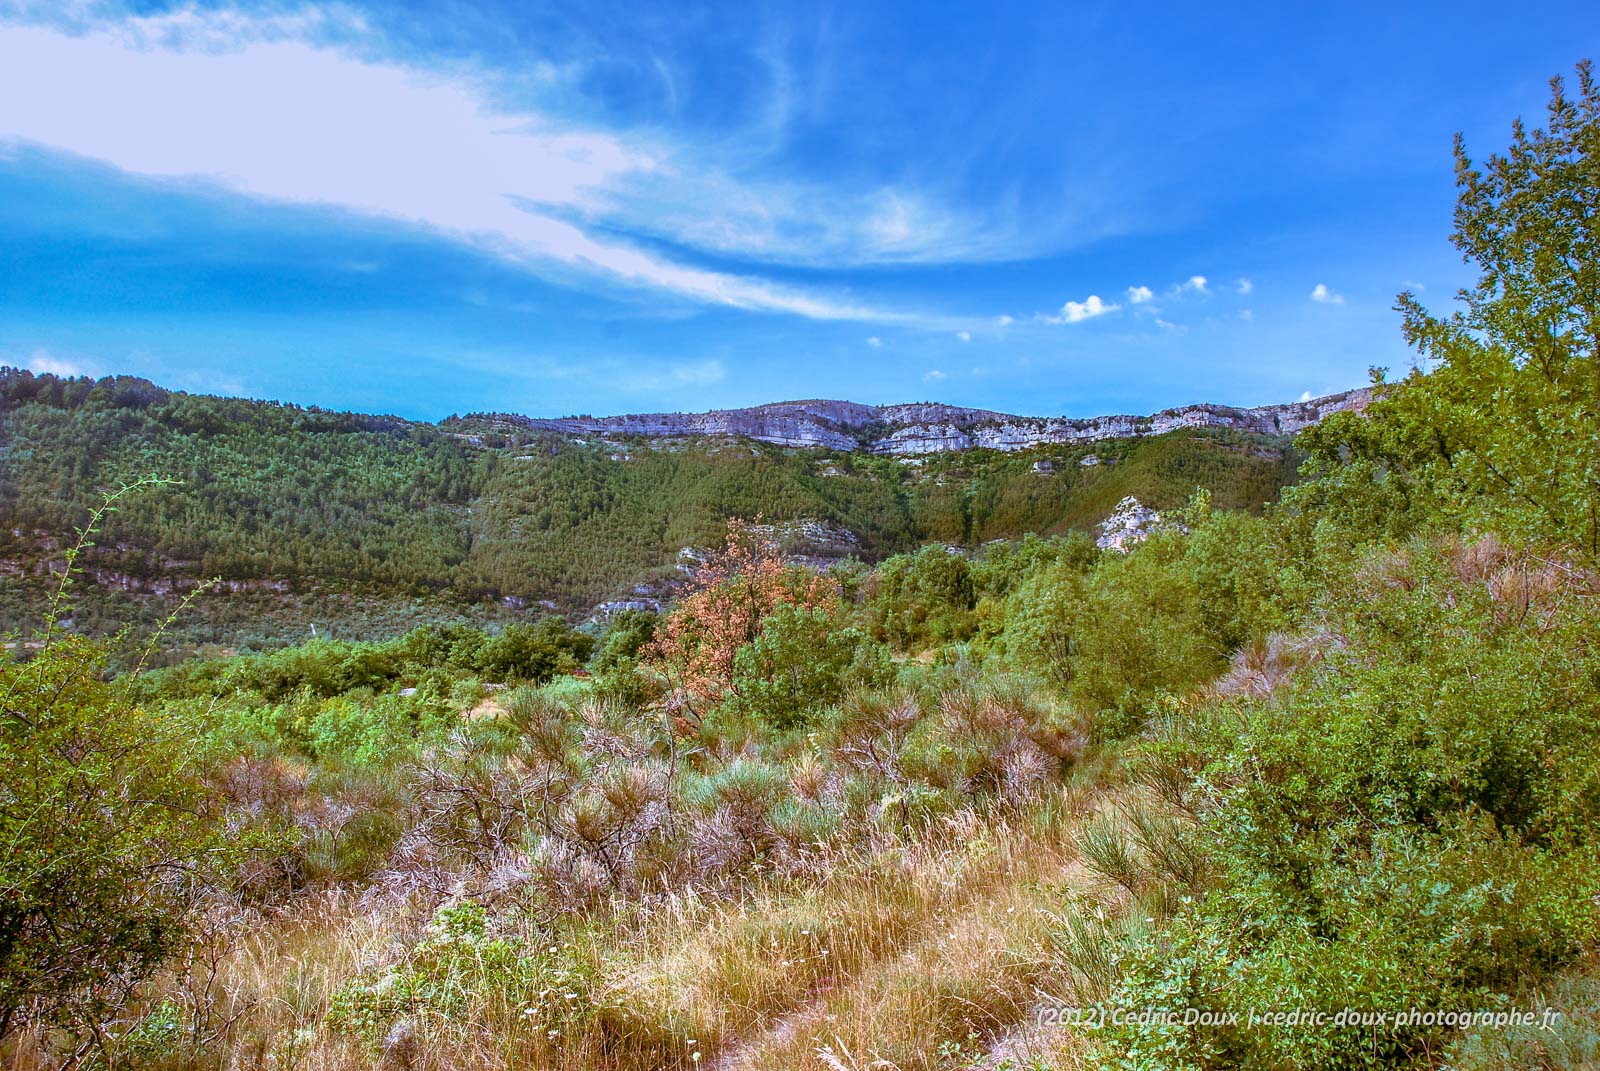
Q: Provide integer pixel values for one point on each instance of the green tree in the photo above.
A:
(1505, 428)
(924, 596)
(801, 662)
(536, 652)
(629, 633)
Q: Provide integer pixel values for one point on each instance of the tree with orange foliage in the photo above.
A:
(728, 601)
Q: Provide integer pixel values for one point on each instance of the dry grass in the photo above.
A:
(955, 965)
(901, 921)
(969, 978)
(919, 953)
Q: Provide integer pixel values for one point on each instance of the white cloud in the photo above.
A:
(1167, 325)
(1004, 321)
(731, 192)
(1245, 286)
(1322, 294)
(1138, 295)
(875, 342)
(1195, 284)
(1247, 315)
(933, 375)
(1412, 284)
(1306, 397)
(43, 362)
(256, 108)
(964, 336)
(1077, 311)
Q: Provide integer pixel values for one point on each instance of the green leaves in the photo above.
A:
(802, 662)
(102, 834)
(1503, 429)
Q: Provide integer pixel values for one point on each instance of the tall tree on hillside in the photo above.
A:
(1506, 424)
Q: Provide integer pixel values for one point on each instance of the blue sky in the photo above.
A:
(561, 208)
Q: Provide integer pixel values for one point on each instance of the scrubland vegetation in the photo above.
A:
(1344, 753)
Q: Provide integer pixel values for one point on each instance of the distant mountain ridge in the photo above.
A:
(931, 427)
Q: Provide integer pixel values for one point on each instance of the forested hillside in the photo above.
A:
(349, 520)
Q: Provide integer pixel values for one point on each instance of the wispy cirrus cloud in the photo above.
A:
(264, 107)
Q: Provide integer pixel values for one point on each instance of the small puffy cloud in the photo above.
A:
(1004, 321)
(1167, 325)
(1078, 311)
(1244, 286)
(875, 342)
(1321, 293)
(964, 336)
(933, 375)
(1306, 397)
(1197, 283)
(1247, 315)
(1138, 295)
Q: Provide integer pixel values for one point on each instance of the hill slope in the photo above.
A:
(311, 516)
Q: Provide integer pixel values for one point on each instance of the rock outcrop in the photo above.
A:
(1130, 523)
(928, 427)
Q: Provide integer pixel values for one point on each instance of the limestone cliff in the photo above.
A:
(929, 427)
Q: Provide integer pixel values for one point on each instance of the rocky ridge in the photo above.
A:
(929, 427)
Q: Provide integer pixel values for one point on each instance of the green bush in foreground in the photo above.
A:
(1413, 826)
(104, 829)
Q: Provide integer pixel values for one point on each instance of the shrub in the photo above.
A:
(801, 662)
(1411, 824)
(924, 597)
(464, 968)
(106, 832)
(628, 634)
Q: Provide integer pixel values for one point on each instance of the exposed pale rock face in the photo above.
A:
(928, 427)
(998, 432)
(1129, 524)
